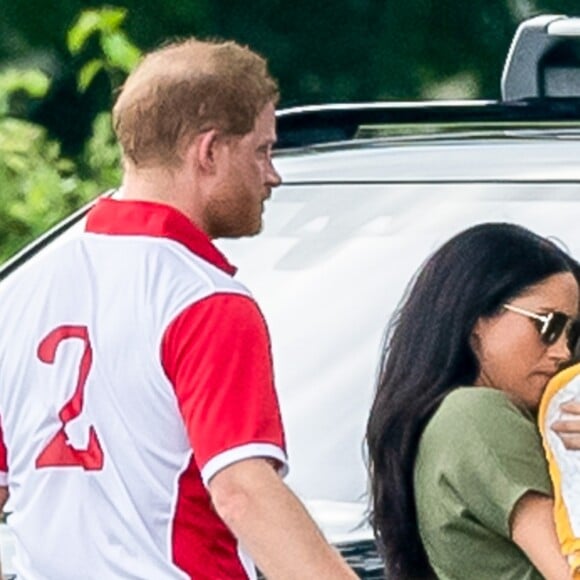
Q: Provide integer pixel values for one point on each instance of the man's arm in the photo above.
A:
(3, 496)
(534, 531)
(3, 499)
(273, 525)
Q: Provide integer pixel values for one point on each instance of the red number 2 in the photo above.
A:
(59, 452)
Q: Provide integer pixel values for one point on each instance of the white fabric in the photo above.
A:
(138, 484)
(244, 452)
(568, 461)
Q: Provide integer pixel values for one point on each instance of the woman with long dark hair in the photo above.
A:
(460, 486)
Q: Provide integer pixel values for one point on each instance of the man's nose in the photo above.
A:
(274, 178)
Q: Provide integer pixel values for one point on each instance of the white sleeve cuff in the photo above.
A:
(248, 451)
(3, 478)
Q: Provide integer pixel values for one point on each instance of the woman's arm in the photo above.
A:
(534, 531)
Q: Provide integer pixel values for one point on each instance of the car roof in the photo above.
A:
(536, 139)
(520, 155)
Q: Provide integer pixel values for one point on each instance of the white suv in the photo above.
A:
(369, 192)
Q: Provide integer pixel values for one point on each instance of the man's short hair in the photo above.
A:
(184, 89)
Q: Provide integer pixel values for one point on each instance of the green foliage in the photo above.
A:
(325, 51)
(118, 53)
(101, 158)
(33, 83)
(40, 185)
(104, 21)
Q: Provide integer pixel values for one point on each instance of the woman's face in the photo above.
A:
(509, 348)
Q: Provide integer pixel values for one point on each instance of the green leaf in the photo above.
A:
(87, 24)
(121, 53)
(33, 82)
(104, 20)
(112, 18)
(19, 136)
(88, 73)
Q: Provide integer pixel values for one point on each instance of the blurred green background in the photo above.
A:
(60, 63)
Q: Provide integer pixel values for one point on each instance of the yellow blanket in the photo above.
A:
(564, 464)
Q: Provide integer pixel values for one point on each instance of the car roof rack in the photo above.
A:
(540, 84)
(317, 125)
(543, 60)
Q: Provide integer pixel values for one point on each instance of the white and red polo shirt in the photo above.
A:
(133, 368)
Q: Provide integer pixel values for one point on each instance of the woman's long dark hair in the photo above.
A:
(427, 354)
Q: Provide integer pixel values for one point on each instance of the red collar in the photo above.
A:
(145, 218)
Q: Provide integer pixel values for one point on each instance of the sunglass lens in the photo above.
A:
(573, 336)
(553, 329)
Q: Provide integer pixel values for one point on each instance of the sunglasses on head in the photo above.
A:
(552, 325)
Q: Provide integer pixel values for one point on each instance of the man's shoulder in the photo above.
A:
(169, 268)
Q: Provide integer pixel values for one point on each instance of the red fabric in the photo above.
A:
(203, 547)
(59, 452)
(146, 218)
(3, 452)
(217, 355)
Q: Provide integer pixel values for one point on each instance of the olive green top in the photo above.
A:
(478, 455)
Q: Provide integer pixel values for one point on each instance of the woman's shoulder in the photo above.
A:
(465, 399)
(485, 410)
(479, 430)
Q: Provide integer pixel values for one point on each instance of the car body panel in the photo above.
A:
(342, 239)
(518, 156)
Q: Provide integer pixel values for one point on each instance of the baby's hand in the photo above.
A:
(568, 427)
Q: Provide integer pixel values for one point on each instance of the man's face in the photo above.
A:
(245, 180)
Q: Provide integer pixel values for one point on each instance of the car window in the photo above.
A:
(330, 268)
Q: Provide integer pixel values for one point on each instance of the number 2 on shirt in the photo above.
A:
(59, 452)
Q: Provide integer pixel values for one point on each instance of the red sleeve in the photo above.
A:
(217, 355)
(3, 459)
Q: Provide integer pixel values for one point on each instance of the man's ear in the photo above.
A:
(204, 150)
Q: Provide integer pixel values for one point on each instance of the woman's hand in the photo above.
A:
(568, 429)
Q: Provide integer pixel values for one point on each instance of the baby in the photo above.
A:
(564, 463)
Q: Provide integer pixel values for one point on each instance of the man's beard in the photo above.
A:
(233, 218)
